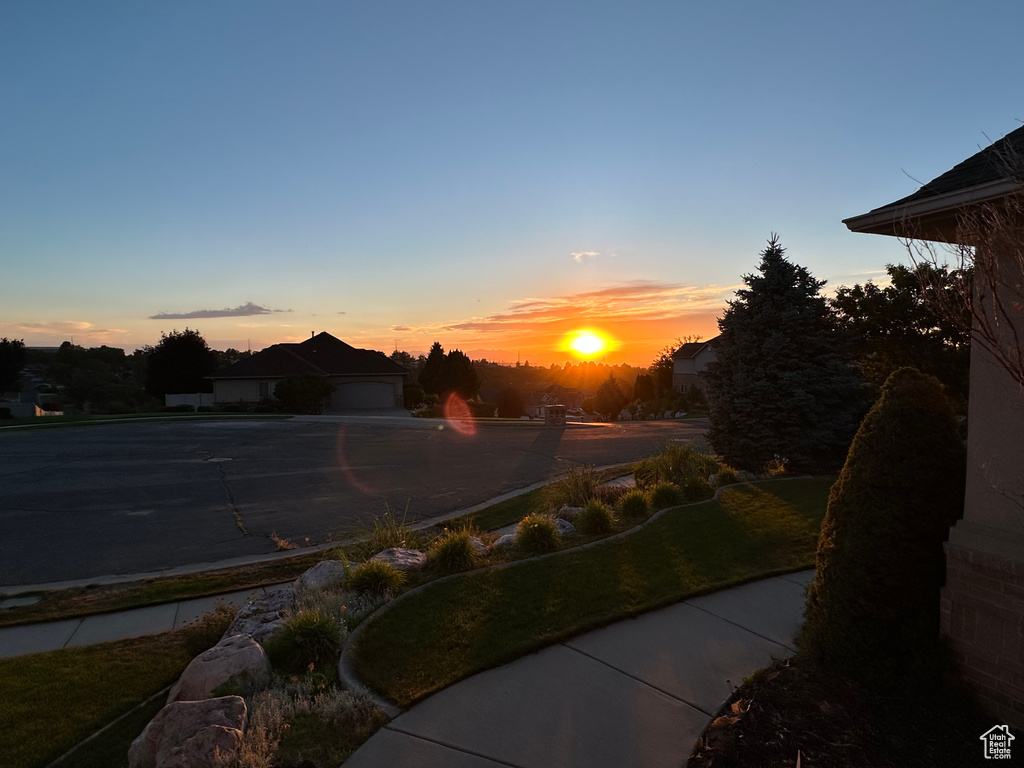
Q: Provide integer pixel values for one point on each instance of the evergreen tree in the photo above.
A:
(430, 372)
(610, 399)
(873, 608)
(781, 386)
(458, 375)
(643, 387)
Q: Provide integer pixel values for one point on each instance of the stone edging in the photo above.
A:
(346, 669)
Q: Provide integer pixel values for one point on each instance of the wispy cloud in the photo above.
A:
(65, 330)
(245, 310)
(580, 256)
(638, 301)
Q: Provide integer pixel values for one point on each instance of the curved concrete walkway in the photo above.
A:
(637, 693)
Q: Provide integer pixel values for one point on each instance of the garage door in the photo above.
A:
(363, 394)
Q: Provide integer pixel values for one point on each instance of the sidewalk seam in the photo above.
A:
(639, 680)
(494, 760)
(735, 624)
(73, 633)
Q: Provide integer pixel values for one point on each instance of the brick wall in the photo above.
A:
(982, 614)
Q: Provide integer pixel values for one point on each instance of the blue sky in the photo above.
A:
(487, 175)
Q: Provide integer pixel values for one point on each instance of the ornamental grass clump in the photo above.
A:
(452, 551)
(665, 495)
(375, 577)
(594, 518)
(309, 639)
(873, 608)
(726, 476)
(634, 505)
(676, 464)
(578, 486)
(537, 534)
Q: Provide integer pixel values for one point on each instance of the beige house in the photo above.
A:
(363, 378)
(689, 362)
(982, 605)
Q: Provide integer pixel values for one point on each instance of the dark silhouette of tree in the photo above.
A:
(458, 375)
(430, 373)
(643, 387)
(897, 326)
(179, 363)
(12, 360)
(304, 392)
(781, 386)
(610, 399)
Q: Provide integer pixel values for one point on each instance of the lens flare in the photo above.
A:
(458, 415)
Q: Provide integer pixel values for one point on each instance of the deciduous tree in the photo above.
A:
(179, 363)
(12, 360)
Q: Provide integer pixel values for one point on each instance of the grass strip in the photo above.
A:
(53, 701)
(86, 601)
(458, 627)
(99, 420)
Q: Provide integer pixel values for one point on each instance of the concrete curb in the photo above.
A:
(346, 668)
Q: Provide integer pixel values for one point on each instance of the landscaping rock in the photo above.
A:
(668, 415)
(402, 559)
(745, 477)
(569, 513)
(478, 546)
(321, 575)
(238, 659)
(190, 734)
(564, 526)
(680, 414)
(506, 540)
(263, 614)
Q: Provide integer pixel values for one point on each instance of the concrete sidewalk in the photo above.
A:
(637, 693)
(107, 627)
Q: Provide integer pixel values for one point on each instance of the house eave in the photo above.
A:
(930, 218)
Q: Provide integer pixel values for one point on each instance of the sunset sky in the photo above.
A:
(487, 175)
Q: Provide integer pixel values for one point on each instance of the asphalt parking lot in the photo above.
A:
(85, 502)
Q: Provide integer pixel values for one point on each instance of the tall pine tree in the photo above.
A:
(781, 386)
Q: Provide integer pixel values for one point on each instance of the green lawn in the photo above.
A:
(52, 701)
(456, 628)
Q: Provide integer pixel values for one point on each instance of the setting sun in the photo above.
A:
(586, 343)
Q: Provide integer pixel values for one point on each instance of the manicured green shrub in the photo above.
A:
(452, 551)
(537, 534)
(481, 410)
(181, 408)
(594, 518)
(307, 638)
(873, 609)
(634, 505)
(376, 578)
(665, 495)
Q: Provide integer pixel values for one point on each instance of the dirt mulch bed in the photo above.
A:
(794, 708)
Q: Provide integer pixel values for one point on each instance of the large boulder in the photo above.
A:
(569, 513)
(506, 540)
(323, 574)
(564, 526)
(264, 614)
(237, 659)
(402, 559)
(190, 734)
(478, 546)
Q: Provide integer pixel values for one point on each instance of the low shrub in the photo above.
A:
(385, 531)
(452, 551)
(481, 410)
(594, 518)
(634, 505)
(376, 578)
(204, 409)
(610, 494)
(234, 408)
(537, 534)
(665, 495)
(309, 639)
